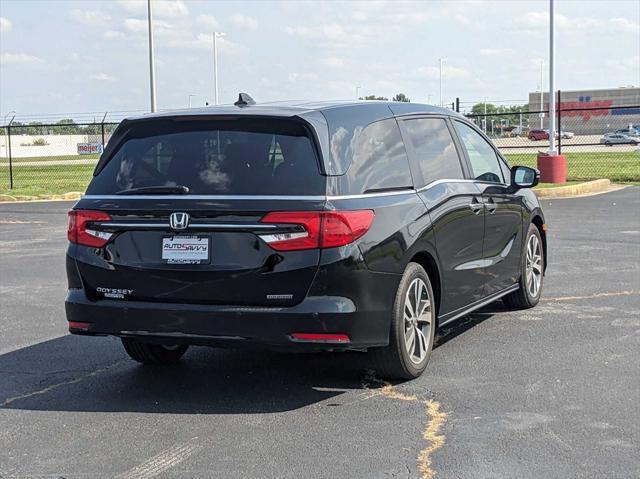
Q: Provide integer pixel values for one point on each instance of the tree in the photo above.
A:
(401, 97)
(66, 127)
(501, 116)
(373, 97)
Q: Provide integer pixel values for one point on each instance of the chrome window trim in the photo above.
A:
(459, 180)
(372, 195)
(438, 182)
(247, 197)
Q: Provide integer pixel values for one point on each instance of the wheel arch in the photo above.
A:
(430, 265)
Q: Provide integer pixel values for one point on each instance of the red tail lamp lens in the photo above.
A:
(80, 231)
(319, 229)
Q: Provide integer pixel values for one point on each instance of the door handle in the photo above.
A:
(491, 206)
(476, 206)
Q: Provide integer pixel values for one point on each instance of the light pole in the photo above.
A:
(485, 115)
(216, 35)
(358, 92)
(552, 78)
(541, 114)
(152, 73)
(191, 95)
(440, 60)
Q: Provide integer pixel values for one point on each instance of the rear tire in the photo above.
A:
(531, 273)
(412, 328)
(150, 353)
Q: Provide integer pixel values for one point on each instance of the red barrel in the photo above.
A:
(553, 168)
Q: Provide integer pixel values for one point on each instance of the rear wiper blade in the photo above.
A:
(156, 190)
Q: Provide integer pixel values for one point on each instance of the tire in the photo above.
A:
(150, 353)
(527, 296)
(394, 361)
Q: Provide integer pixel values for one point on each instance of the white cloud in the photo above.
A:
(19, 59)
(161, 8)
(208, 21)
(447, 72)
(136, 25)
(495, 52)
(244, 21)
(328, 31)
(89, 17)
(103, 77)
(5, 24)
(294, 77)
(112, 34)
(333, 62)
(626, 25)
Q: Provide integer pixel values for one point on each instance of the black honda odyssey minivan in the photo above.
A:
(300, 226)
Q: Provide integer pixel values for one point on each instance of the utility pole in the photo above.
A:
(552, 78)
(440, 60)
(152, 73)
(541, 114)
(485, 115)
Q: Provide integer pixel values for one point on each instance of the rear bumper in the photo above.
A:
(228, 325)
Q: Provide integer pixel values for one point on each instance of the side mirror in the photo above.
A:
(524, 177)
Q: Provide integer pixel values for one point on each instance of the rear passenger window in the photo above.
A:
(379, 159)
(483, 158)
(435, 151)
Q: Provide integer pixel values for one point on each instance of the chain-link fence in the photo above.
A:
(598, 141)
(45, 159)
(601, 141)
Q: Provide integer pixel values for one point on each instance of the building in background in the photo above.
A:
(589, 112)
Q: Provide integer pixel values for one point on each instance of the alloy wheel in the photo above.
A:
(417, 321)
(533, 266)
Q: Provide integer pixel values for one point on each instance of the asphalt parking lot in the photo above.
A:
(550, 392)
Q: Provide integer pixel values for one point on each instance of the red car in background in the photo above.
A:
(538, 135)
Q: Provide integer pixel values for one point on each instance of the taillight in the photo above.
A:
(80, 231)
(317, 229)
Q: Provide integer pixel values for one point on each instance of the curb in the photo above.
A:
(586, 188)
(72, 195)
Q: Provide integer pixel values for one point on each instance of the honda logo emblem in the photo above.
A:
(179, 221)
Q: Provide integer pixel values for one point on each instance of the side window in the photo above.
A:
(484, 161)
(379, 159)
(435, 151)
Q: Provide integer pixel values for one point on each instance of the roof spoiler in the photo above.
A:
(244, 99)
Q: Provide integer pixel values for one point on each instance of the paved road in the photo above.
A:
(550, 392)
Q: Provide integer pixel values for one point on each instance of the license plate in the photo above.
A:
(185, 249)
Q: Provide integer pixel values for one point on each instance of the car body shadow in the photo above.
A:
(79, 374)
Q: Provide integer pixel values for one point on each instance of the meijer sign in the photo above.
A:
(89, 148)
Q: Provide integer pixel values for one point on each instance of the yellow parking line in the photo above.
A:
(435, 421)
(594, 295)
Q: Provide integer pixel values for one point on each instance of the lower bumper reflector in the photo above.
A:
(320, 338)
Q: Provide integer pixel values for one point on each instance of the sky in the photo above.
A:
(70, 57)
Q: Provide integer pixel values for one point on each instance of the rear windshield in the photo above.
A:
(214, 157)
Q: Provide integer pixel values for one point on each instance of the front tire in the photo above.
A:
(531, 275)
(150, 353)
(412, 328)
